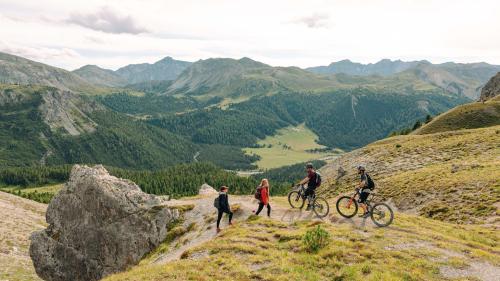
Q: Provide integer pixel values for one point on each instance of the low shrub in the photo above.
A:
(316, 239)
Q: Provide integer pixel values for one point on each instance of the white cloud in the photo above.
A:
(107, 20)
(280, 32)
(315, 20)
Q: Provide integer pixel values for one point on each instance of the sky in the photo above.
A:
(114, 33)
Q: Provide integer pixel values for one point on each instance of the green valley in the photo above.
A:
(288, 146)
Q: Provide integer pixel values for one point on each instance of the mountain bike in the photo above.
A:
(380, 213)
(297, 199)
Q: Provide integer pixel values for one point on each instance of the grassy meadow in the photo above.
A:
(289, 146)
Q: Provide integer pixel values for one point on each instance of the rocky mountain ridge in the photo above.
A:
(491, 89)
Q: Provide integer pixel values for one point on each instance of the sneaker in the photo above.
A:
(308, 207)
(231, 223)
(218, 230)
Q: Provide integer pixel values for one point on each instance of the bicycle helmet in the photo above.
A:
(361, 168)
(309, 166)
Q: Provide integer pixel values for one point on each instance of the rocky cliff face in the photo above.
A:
(491, 89)
(98, 225)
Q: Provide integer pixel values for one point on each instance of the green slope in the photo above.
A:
(99, 76)
(46, 125)
(451, 176)
(18, 70)
(467, 116)
(342, 119)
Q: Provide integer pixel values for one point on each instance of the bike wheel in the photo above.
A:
(347, 207)
(381, 214)
(295, 200)
(321, 207)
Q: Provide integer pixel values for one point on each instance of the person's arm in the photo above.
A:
(304, 181)
(227, 203)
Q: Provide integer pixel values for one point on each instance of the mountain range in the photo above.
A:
(164, 69)
(170, 110)
(461, 78)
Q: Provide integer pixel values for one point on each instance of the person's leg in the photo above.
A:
(268, 209)
(219, 217)
(230, 216)
(308, 193)
(261, 206)
(362, 203)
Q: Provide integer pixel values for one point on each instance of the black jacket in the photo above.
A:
(223, 202)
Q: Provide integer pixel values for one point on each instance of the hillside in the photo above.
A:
(164, 69)
(245, 78)
(466, 79)
(50, 126)
(255, 248)
(21, 218)
(18, 70)
(467, 116)
(99, 76)
(383, 67)
(258, 248)
(239, 80)
(451, 176)
(491, 89)
(341, 119)
(462, 81)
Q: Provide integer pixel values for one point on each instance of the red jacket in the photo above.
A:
(264, 195)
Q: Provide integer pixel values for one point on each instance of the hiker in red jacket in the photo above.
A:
(264, 197)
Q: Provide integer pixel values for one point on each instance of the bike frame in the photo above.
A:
(302, 189)
(353, 197)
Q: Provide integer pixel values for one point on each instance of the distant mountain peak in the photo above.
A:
(167, 68)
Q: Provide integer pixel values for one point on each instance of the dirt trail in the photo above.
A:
(204, 216)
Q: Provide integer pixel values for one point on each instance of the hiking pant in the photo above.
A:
(219, 216)
(261, 206)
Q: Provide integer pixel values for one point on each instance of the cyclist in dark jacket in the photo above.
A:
(223, 206)
(364, 191)
(313, 181)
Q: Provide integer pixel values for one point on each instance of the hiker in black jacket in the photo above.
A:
(223, 206)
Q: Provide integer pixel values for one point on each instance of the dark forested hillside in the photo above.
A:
(43, 125)
(217, 126)
(149, 104)
(344, 119)
(177, 181)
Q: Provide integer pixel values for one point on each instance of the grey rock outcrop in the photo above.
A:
(491, 89)
(98, 225)
(206, 189)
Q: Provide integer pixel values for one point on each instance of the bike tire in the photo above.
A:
(341, 206)
(388, 211)
(321, 207)
(294, 198)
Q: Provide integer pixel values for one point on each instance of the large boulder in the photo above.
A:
(491, 89)
(207, 190)
(98, 225)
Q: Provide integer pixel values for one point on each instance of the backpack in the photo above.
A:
(258, 193)
(318, 179)
(370, 182)
(216, 202)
